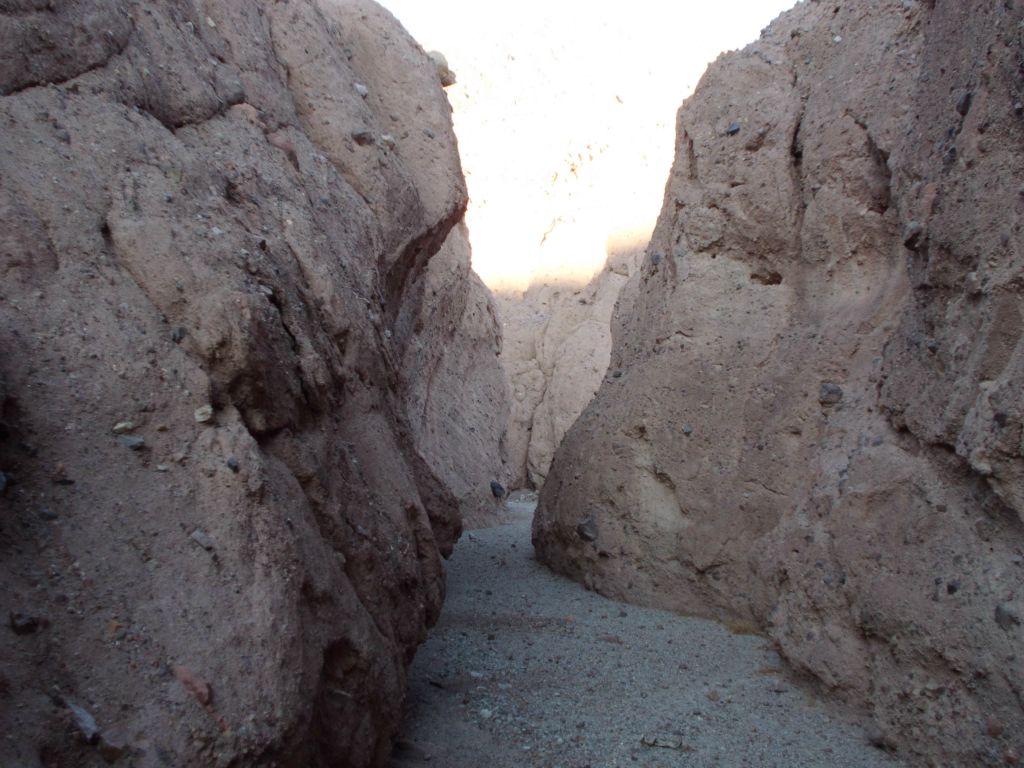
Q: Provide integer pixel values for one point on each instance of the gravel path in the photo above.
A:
(526, 668)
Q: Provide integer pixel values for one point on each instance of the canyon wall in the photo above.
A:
(456, 397)
(816, 426)
(237, 331)
(557, 344)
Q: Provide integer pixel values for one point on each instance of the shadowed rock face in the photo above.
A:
(223, 517)
(817, 428)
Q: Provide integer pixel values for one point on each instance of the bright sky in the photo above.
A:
(565, 116)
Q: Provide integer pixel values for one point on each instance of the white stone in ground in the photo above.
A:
(526, 668)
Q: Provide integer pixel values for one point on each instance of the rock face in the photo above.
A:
(817, 428)
(457, 398)
(226, 486)
(557, 344)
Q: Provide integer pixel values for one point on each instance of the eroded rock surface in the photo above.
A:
(817, 429)
(557, 344)
(222, 518)
(457, 398)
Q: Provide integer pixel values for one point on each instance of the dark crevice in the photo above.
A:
(276, 303)
(796, 153)
(691, 156)
(174, 126)
(882, 191)
(406, 269)
(766, 277)
(796, 150)
(308, 399)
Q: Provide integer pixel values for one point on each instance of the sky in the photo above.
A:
(565, 113)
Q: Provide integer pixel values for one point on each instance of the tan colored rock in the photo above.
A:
(557, 344)
(189, 229)
(444, 72)
(817, 426)
(457, 398)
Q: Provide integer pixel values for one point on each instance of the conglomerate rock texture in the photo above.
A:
(816, 424)
(223, 501)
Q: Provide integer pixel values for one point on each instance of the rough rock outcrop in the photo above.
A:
(222, 520)
(456, 397)
(818, 424)
(557, 344)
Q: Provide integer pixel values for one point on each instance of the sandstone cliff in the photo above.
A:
(223, 499)
(817, 427)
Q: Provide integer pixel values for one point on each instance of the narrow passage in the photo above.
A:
(526, 668)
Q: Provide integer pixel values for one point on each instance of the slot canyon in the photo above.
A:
(541, 384)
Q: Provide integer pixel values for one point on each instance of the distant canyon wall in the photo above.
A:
(557, 346)
(817, 429)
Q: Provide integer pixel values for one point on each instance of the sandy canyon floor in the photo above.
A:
(526, 668)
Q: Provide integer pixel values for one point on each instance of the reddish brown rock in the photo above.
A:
(817, 427)
(198, 687)
(193, 242)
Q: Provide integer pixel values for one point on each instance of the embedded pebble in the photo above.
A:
(202, 538)
(586, 529)
(23, 624)
(84, 720)
(963, 104)
(829, 393)
(912, 234)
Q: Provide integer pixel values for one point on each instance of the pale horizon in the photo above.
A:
(565, 119)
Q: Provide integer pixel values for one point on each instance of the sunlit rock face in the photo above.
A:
(236, 326)
(812, 419)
